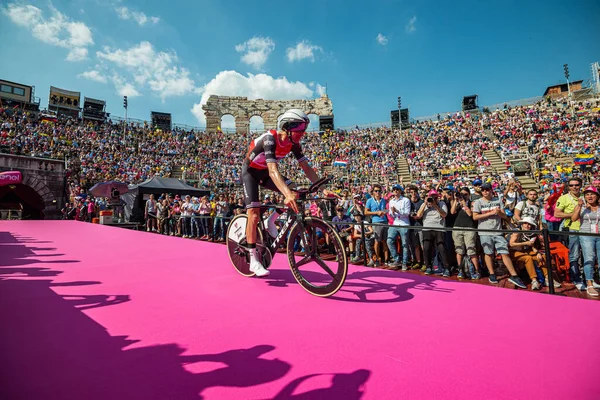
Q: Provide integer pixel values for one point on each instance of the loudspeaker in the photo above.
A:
(325, 122)
(469, 103)
(395, 117)
(404, 118)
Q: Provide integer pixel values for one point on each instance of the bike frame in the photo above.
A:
(273, 243)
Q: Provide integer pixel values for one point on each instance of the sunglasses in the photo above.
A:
(486, 190)
(377, 190)
(297, 126)
(577, 185)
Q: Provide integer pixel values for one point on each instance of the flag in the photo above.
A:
(584, 159)
(374, 152)
(340, 163)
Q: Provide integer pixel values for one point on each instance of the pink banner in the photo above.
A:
(10, 178)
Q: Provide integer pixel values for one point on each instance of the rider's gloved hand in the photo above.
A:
(290, 201)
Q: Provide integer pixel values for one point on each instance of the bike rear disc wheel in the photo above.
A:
(236, 246)
(317, 276)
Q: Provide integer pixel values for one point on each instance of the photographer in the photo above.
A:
(464, 241)
(433, 212)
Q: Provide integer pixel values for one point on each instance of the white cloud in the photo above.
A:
(259, 86)
(124, 88)
(58, 30)
(303, 50)
(320, 90)
(411, 26)
(140, 17)
(93, 75)
(382, 40)
(77, 54)
(155, 69)
(256, 51)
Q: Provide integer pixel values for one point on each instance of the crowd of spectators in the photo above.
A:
(444, 155)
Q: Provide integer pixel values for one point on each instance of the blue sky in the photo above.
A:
(367, 53)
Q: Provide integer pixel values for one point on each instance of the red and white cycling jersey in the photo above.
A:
(268, 148)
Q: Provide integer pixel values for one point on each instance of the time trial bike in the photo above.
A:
(309, 239)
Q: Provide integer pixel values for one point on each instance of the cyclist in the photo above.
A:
(260, 168)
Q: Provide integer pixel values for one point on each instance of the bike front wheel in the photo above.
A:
(236, 246)
(308, 244)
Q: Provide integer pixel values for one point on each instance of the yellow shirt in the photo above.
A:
(567, 203)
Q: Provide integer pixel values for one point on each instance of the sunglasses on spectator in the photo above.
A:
(576, 185)
(486, 190)
(376, 190)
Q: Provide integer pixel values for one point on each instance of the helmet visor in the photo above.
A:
(299, 126)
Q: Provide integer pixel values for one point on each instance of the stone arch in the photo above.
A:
(243, 109)
(224, 123)
(256, 125)
(42, 189)
(314, 122)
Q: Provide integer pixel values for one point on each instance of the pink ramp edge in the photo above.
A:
(93, 312)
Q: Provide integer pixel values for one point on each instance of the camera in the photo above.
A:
(430, 199)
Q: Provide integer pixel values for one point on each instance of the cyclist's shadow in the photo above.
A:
(370, 286)
(343, 386)
(244, 368)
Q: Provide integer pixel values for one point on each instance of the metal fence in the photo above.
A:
(546, 234)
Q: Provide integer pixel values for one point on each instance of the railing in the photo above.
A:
(179, 224)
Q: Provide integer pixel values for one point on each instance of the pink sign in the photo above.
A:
(10, 178)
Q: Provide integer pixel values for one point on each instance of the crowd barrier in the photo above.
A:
(553, 251)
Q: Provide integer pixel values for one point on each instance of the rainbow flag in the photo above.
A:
(584, 159)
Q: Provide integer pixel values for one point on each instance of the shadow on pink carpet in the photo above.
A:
(93, 312)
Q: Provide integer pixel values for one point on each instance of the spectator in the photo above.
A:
(488, 212)
(528, 208)
(433, 212)
(376, 209)
(587, 214)
(399, 210)
(344, 230)
(465, 241)
(150, 214)
(416, 236)
(565, 206)
(204, 211)
(527, 249)
(369, 240)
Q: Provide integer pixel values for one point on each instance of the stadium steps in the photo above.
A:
(528, 182)
(495, 160)
(403, 170)
(177, 172)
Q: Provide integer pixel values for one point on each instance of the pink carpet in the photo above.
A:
(93, 312)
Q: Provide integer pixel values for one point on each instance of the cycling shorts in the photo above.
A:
(252, 178)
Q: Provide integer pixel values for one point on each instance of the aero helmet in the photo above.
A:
(294, 120)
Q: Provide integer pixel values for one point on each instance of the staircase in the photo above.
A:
(495, 160)
(403, 170)
(176, 172)
(527, 183)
